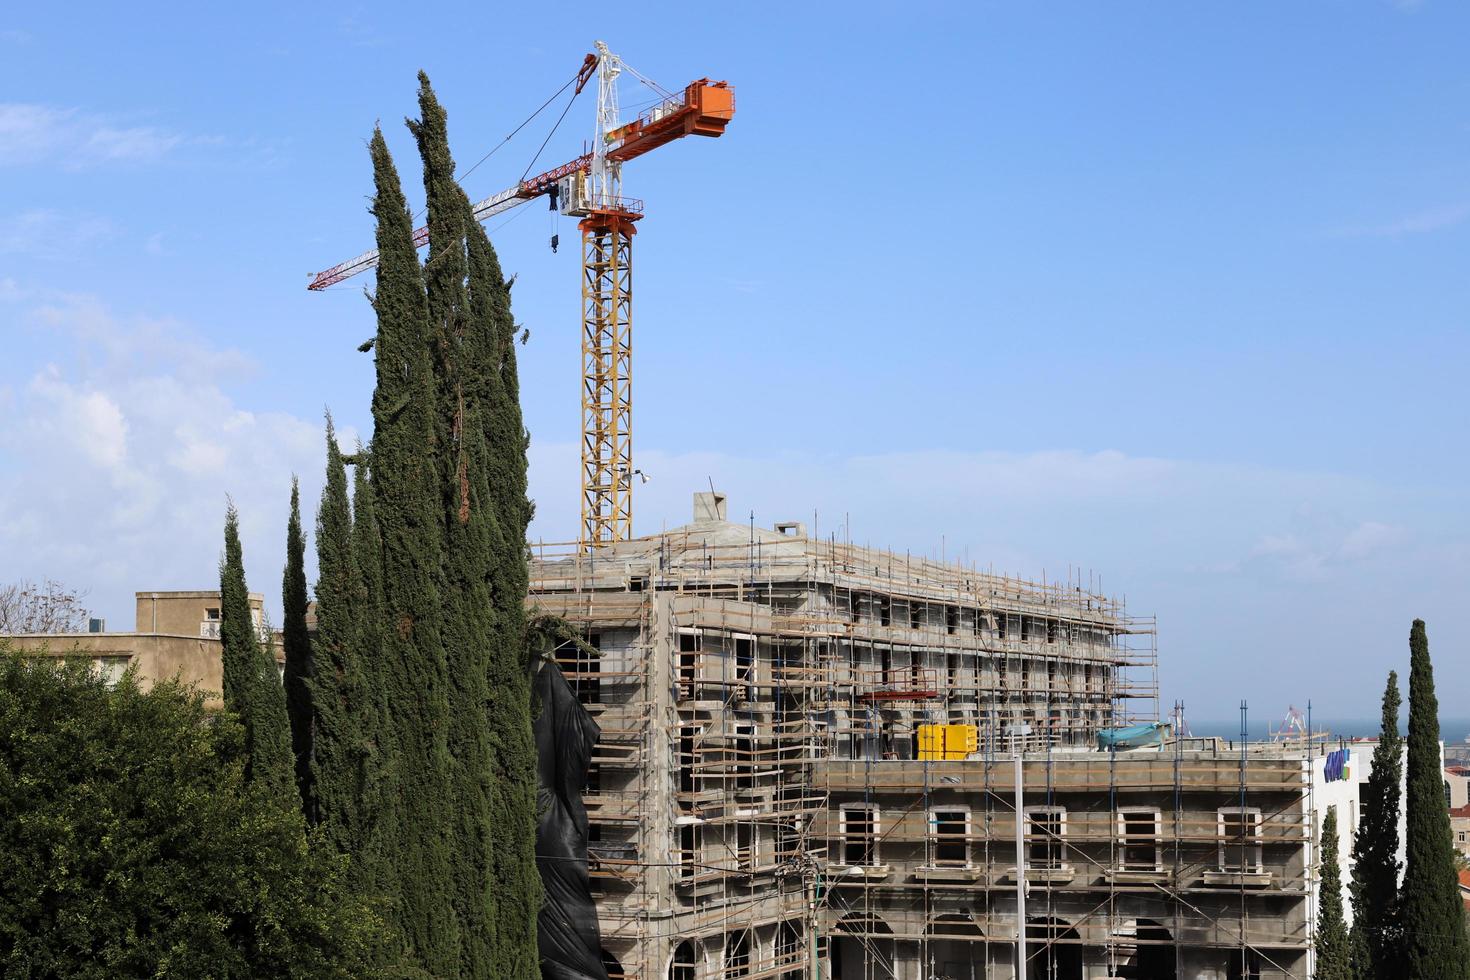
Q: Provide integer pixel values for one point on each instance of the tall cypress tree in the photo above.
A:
(252, 686)
(506, 441)
(367, 560)
(1334, 961)
(1375, 874)
(296, 643)
(469, 625)
(340, 759)
(1434, 940)
(419, 807)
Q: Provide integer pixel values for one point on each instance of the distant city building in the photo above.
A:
(1456, 785)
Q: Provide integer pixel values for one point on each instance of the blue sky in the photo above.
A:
(1171, 294)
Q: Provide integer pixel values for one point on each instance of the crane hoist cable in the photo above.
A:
(580, 76)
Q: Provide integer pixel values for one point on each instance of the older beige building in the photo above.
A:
(176, 636)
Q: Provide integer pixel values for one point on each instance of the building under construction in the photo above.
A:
(807, 768)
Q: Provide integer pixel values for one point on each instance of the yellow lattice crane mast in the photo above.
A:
(590, 187)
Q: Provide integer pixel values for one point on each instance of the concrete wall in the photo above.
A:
(192, 660)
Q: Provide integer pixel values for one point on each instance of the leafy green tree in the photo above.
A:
(296, 644)
(252, 685)
(1375, 937)
(1334, 961)
(1434, 938)
(134, 845)
(418, 811)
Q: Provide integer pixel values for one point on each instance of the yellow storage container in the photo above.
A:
(960, 741)
(931, 742)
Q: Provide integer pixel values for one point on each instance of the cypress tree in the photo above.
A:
(367, 560)
(338, 690)
(296, 643)
(377, 747)
(1333, 954)
(1375, 875)
(252, 687)
(1434, 940)
(418, 810)
(514, 802)
(469, 626)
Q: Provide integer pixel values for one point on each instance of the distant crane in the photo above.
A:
(590, 187)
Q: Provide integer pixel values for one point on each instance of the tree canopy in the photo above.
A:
(134, 844)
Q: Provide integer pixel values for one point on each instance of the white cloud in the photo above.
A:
(49, 234)
(1419, 223)
(87, 422)
(116, 459)
(32, 133)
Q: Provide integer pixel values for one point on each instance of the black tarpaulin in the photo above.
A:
(567, 925)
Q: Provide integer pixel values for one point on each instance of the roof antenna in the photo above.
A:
(711, 483)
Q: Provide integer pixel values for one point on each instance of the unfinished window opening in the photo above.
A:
(1240, 839)
(886, 662)
(1000, 625)
(951, 619)
(788, 948)
(1138, 832)
(885, 611)
(745, 847)
(952, 670)
(951, 831)
(1244, 964)
(689, 645)
(588, 678)
(1053, 629)
(859, 826)
(975, 622)
(737, 956)
(687, 736)
(1046, 829)
(594, 778)
(683, 965)
(691, 837)
(212, 613)
(788, 839)
(1028, 628)
(744, 755)
(745, 667)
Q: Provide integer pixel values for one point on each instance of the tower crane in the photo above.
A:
(590, 187)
